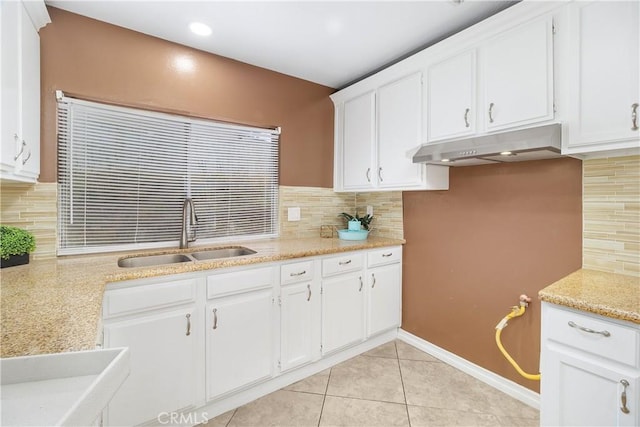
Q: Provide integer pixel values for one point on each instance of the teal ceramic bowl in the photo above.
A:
(353, 234)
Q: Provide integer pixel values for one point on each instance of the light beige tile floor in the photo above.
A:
(392, 385)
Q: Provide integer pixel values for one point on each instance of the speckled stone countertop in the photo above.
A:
(607, 294)
(52, 306)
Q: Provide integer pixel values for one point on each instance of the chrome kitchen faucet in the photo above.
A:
(189, 219)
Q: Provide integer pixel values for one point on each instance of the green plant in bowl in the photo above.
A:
(15, 245)
(365, 220)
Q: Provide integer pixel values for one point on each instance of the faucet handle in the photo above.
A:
(192, 233)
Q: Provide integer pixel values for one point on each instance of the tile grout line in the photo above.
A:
(404, 392)
(232, 415)
(362, 398)
(324, 397)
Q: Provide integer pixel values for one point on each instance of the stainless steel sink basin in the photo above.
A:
(222, 253)
(203, 255)
(151, 260)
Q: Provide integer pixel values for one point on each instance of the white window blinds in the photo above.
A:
(123, 175)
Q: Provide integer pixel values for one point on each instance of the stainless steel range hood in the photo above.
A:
(543, 142)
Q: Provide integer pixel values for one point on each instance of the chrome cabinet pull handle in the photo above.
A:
(634, 116)
(380, 174)
(345, 262)
(373, 276)
(215, 318)
(591, 331)
(491, 113)
(387, 255)
(22, 147)
(188, 324)
(466, 118)
(309, 290)
(360, 290)
(623, 397)
(368, 174)
(298, 274)
(27, 158)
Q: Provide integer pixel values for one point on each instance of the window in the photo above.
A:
(123, 176)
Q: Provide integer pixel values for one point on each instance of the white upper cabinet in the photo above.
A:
(399, 131)
(451, 94)
(518, 76)
(604, 92)
(20, 85)
(358, 141)
(9, 118)
(375, 132)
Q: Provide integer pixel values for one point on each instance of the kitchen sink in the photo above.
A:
(151, 260)
(222, 253)
(203, 255)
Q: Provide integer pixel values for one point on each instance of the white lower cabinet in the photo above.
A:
(360, 300)
(239, 329)
(342, 311)
(299, 315)
(383, 301)
(384, 290)
(239, 341)
(166, 361)
(201, 340)
(590, 370)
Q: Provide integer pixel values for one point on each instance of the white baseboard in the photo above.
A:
(523, 394)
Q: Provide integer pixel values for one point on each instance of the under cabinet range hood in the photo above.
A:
(536, 143)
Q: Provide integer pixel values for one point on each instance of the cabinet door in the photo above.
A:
(383, 302)
(342, 312)
(9, 79)
(299, 314)
(576, 392)
(239, 341)
(165, 365)
(518, 76)
(399, 130)
(29, 162)
(604, 65)
(451, 96)
(358, 139)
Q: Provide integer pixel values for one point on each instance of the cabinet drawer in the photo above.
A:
(384, 256)
(239, 281)
(296, 272)
(119, 302)
(564, 326)
(342, 264)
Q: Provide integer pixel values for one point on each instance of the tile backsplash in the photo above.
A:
(321, 206)
(611, 211)
(32, 207)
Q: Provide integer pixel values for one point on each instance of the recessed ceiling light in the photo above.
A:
(444, 160)
(200, 29)
(507, 153)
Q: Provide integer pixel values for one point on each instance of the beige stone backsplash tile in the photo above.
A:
(34, 208)
(611, 212)
(321, 206)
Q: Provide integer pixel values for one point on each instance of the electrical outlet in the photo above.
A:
(370, 210)
(293, 214)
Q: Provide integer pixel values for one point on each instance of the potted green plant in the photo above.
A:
(15, 246)
(365, 221)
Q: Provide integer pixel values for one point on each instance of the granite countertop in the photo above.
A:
(54, 305)
(607, 294)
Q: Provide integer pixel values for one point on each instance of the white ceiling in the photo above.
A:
(332, 43)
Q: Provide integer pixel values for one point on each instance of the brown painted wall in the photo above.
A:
(501, 230)
(99, 61)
